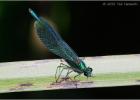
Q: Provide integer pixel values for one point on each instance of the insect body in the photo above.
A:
(55, 44)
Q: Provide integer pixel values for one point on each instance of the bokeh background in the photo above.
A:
(90, 28)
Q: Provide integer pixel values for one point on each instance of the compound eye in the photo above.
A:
(85, 74)
(89, 69)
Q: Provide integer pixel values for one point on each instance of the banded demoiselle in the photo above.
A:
(55, 44)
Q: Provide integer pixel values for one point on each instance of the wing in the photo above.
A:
(53, 41)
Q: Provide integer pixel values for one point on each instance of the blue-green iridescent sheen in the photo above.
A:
(55, 44)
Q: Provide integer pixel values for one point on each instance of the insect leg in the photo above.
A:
(63, 66)
(65, 78)
(59, 75)
(68, 73)
(69, 68)
(58, 69)
(76, 76)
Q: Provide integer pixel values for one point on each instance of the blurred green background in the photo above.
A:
(90, 28)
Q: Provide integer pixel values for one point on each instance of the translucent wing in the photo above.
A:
(52, 40)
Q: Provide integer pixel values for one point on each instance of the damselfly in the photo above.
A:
(55, 44)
